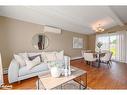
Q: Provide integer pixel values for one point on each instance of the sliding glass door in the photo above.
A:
(112, 45)
(109, 43)
(116, 43)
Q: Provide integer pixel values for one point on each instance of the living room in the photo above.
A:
(65, 34)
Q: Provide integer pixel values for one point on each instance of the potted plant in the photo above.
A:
(99, 45)
(54, 68)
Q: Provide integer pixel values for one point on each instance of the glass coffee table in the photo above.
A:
(49, 82)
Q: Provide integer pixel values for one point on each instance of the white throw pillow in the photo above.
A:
(60, 55)
(50, 56)
(53, 56)
(43, 57)
(30, 64)
(20, 60)
(33, 54)
(24, 56)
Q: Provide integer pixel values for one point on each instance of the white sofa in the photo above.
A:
(15, 73)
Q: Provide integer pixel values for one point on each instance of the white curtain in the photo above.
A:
(104, 38)
(120, 45)
(1, 72)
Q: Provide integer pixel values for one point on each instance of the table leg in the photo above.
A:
(84, 85)
(61, 86)
(38, 84)
(86, 81)
(80, 86)
(99, 61)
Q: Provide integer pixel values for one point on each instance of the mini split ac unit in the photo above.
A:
(52, 29)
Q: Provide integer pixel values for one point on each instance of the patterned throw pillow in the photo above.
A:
(32, 63)
(33, 57)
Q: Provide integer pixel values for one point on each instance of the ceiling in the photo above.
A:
(80, 19)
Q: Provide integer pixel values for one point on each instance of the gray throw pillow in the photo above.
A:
(33, 57)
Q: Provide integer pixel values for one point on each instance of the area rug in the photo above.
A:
(71, 85)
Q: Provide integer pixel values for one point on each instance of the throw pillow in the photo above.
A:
(32, 63)
(60, 55)
(43, 57)
(24, 56)
(50, 56)
(33, 57)
(20, 60)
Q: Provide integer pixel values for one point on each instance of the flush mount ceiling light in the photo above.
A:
(99, 28)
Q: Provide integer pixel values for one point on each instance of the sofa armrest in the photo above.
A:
(13, 71)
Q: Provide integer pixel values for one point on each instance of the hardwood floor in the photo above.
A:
(98, 78)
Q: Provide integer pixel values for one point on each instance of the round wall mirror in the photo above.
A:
(40, 41)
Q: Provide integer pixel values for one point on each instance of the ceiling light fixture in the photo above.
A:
(99, 28)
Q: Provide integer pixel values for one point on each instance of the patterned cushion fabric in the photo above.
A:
(33, 63)
(33, 57)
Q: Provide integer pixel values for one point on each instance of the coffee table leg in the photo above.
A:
(61, 86)
(86, 81)
(84, 85)
(80, 86)
(38, 84)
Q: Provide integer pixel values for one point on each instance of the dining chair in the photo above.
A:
(107, 58)
(89, 57)
(85, 51)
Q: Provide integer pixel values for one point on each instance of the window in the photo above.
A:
(115, 42)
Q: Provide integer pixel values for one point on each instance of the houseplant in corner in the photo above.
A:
(54, 68)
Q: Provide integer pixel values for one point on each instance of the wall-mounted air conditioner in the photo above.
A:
(52, 29)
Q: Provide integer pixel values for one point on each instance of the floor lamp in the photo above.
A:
(1, 71)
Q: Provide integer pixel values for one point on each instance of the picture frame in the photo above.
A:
(77, 42)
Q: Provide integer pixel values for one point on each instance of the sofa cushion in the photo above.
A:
(32, 63)
(34, 54)
(53, 56)
(50, 56)
(33, 57)
(24, 56)
(41, 67)
(60, 55)
(20, 60)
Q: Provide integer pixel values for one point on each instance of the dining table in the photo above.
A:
(99, 55)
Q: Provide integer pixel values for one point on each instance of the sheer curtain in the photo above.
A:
(119, 47)
(1, 71)
(104, 38)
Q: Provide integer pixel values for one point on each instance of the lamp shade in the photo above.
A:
(1, 71)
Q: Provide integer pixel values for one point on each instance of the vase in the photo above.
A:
(99, 50)
(55, 72)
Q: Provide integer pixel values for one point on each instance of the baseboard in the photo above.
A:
(5, 70)
(74, 58)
